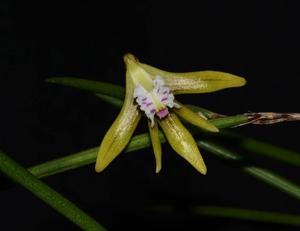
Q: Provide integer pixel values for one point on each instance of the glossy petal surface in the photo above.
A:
(194, 118)
(154, 136)
(196, 82)
(121, 130)
(182, 141)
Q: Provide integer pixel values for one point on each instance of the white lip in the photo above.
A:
(156, 101)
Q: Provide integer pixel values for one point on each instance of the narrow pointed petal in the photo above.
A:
(182, 141)
(196, 82)
(154, 136)
(193, 118)
(121, 130)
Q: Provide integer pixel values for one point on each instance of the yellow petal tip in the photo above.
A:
(200, 166)
(203, 170)
(214, 129)
(157, 170)
(129, 58)
(101, 163)
(99, 167)
(242, 81)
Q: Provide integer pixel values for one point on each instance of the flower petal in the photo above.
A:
(182, 141)
(154, 136)
(196, 82)
(121, 130)
(194, 118)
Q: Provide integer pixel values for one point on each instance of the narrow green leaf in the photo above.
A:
(264, 149)
(90, 85)
(247, 214)
(231, 213)
(143, 141)
(62, 205)
(86, 157)
(115, 102)
(265, 175)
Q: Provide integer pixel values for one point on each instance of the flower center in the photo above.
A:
(156, 101)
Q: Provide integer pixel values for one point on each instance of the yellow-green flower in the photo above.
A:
(150, 91)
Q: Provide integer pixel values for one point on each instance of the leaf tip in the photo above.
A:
(50, 80)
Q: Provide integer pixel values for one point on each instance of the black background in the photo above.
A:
(40, 121)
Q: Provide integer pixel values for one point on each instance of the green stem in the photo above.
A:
(23, 177)
(265, 175)
(247, 214)
(229, 121)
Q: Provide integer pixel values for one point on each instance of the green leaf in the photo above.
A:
(143, 141)
(62, 205)
(264, 149)
(264, 175)
(90, 85)
(229, 212)
(115, 102)
(247, 214)
(85, 157)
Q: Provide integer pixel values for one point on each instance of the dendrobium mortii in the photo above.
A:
(151, 91)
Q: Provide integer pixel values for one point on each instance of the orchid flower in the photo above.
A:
(150, 91)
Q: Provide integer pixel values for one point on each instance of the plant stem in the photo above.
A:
(229, 121)
(23, 177)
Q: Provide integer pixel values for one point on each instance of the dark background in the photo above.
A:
(39, 121)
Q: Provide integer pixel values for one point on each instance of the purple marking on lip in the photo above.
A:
(152, 111)
(164, 99)
(148, 104)
(163, 113)
(144, 99)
